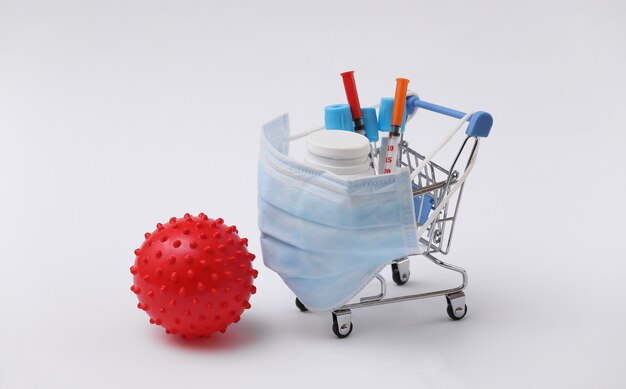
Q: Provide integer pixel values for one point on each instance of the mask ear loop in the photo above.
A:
(426, 160)
(445, 141)
(457, 185)
(304, 133)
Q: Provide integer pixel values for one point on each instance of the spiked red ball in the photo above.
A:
(193, 275)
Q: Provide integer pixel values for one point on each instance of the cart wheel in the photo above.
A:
(342, 324)
(457, 309)
(301, 306)
(453, 316)
(400, 271)
(338, 333)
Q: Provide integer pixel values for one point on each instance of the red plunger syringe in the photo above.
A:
(353, 100)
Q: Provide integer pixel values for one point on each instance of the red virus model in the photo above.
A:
(193, 275)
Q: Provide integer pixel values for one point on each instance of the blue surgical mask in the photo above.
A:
(328, 237)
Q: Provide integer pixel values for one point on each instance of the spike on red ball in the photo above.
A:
(180, 295)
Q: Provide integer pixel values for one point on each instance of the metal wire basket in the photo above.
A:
(437, 195)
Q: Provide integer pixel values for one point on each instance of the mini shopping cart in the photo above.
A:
(437, 192)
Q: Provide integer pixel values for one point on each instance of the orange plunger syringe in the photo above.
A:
(397, 115)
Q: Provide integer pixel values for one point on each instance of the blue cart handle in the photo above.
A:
(479, 123)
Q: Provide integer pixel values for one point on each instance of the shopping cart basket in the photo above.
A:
(437, 195)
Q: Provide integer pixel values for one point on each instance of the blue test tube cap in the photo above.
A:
(371, 123)
(384, 115)
(338, 117)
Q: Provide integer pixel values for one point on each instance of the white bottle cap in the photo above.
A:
(337, 144)
(341, 152)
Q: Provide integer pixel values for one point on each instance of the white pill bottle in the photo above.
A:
(338, 149)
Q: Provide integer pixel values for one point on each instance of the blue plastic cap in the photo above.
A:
(371, 123)
(384, 115)
(338, 117)
(479, 124)
(426, 206)
(411, 107)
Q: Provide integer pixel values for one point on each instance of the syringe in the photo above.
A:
(397, 115)
(353, 99)
(355, 108)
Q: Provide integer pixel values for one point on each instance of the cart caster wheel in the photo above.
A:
(301, 306)
(452, 314)
(400, 271)
(342, 324)
(338, 333)
(457, 309)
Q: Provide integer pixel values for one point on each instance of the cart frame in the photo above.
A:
(434, 182)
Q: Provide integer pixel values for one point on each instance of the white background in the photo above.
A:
(115, 115)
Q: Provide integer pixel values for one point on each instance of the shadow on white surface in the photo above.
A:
(245, 334)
